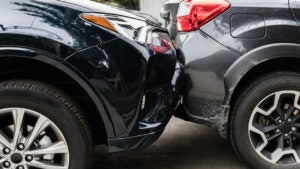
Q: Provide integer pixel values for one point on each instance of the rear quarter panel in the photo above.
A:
(209, 67)
(279, 25)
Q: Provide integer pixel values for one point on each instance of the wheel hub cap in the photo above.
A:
(16, 158)
(286, 127)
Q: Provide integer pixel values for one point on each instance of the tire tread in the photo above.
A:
(59, 96)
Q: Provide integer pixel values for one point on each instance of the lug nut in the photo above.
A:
(21, 147)
(6, 164)
(277, 131)
(289, 120)
(6, 151)
(20, 167)
(294, 129)
(286, 135)
(29, 158)
(279, 121)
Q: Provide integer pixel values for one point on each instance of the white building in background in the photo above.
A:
(152, 7)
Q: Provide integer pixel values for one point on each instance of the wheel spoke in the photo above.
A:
(18, 115)
(280, 143)
(280, 113)
(276, 155)
(279, 153)
(289, 112)
(274, 136)
(259, 132)
(296, 118)
(262, 130)
(41, 124)
(45, 165)
(4, 140)
(269, 128)
(3, 158)
(261, 111)
(270, 111)
(296, 105)
(291, 145)
(297, 125)
(297, 135)
(57, 148)
(273, 120)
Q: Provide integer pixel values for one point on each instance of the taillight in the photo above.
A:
(192, 14)
(163, 47)
(158, 43)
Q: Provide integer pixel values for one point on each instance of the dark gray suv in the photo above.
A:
(242, 66)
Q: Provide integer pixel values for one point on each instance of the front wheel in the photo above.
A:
(265, 124)
(41, 128)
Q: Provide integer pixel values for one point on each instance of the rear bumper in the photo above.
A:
(206, 62)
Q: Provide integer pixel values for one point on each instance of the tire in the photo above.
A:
(263, 122)
(45, 118)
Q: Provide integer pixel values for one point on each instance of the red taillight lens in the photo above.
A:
(193, 14)
(162, 48)
(158, 43)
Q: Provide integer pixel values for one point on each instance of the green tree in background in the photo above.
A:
(130, 4)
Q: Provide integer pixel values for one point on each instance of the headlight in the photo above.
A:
(123, 25)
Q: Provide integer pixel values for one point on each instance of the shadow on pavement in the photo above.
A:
(182, 146)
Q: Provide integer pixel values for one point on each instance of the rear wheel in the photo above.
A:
(41, 128)
(265, 125)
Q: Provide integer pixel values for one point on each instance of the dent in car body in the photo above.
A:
(112, 69)
(216, 60)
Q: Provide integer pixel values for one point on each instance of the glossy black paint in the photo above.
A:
(109, 67)
(223, 51)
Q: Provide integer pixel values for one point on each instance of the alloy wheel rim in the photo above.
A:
(28, 139)
(274, 128)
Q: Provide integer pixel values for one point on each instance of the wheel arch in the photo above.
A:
(260, 61)
(41, 63)
(256, 60)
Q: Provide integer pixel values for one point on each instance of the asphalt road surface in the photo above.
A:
(183, 145)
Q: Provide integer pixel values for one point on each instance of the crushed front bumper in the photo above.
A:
(161, 96)
(157, 107)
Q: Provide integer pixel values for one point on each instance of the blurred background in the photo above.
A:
(149, 6)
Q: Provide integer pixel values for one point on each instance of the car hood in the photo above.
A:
(102, 8)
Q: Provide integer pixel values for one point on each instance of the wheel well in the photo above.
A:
(20, 68)
(274, 65)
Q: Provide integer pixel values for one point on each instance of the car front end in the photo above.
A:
(140, 71)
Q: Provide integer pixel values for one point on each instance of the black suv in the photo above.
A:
(78, 73)
(242, 67)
